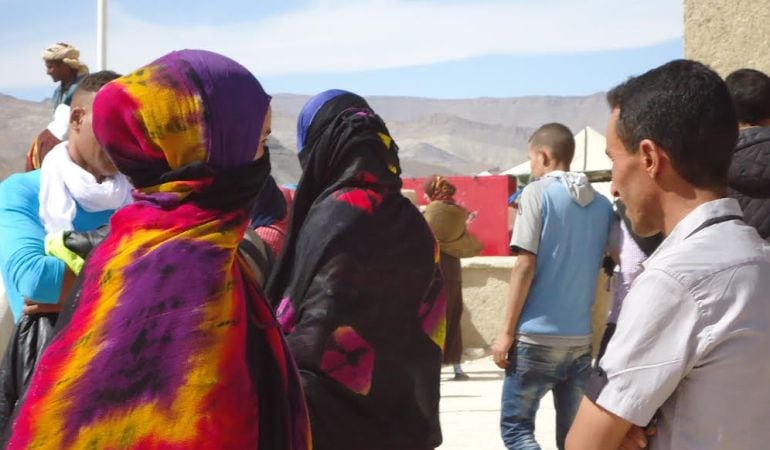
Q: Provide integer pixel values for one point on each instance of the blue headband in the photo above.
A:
(309, 111)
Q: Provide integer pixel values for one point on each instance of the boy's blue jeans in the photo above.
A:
(535, 370)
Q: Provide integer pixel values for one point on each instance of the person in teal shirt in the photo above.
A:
(78, 188)
(26, 269)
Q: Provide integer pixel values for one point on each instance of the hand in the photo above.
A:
(31, 307)
(82, 243)
(608, 265)
(637, 438)
(500, 349)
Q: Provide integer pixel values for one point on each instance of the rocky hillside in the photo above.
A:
(20, 122)
(435, 136)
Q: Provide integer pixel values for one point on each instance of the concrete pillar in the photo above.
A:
(728, 34)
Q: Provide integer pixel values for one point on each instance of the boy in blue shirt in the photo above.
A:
(560, 237)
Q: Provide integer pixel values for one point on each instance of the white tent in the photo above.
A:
(590, 156)
(521, 169)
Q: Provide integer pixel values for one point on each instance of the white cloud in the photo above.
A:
(336, 36)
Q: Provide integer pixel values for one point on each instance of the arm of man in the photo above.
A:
(33, 307)
(73, 249)
(644, 363)
(22, 246)
(525, 242)
(595, 428)
(521, 279)
(599, 429)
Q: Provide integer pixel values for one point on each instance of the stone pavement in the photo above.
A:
(470, 410)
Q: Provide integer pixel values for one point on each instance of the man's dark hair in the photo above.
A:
(93, 82)
(685, 108)
(750, 90)
(557, 138)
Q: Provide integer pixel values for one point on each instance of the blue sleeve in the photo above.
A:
(22, 244)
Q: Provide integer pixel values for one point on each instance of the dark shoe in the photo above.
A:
(462, 376)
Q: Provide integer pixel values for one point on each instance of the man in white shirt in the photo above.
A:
(691, 352)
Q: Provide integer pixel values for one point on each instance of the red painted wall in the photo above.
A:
(488, 198)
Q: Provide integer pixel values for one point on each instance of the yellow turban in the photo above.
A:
(66, 53)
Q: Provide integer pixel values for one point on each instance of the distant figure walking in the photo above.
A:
(447, 220)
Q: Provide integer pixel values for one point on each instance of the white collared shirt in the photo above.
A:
(693, 338)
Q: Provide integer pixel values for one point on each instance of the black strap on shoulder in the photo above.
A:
(714, 221)
(596, 383)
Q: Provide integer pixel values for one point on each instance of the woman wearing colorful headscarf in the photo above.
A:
(447, 219)
(169, 344)
(358, 286)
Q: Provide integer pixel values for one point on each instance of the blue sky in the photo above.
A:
(430, 48)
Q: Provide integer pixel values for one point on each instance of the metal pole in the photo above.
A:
(101, 34)
(585, 148)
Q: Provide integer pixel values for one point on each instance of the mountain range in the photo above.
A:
(448, 137)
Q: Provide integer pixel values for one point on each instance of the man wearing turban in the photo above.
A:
(63, 65)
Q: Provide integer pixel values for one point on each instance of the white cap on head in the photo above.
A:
(66, 53)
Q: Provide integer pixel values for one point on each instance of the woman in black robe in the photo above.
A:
(358, 288)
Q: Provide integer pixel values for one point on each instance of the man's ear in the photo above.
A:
(545, 157)
(653, 157)
(76, 117)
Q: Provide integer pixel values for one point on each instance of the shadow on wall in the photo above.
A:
(473, 342)
(485, 293)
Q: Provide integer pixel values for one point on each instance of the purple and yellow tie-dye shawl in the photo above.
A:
(171, 345)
